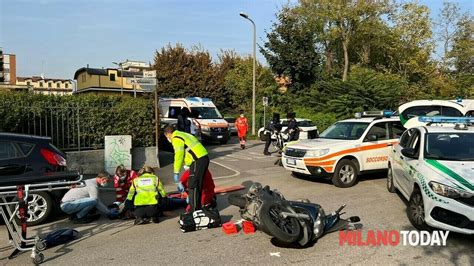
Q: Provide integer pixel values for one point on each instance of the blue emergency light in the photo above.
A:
(445, 119)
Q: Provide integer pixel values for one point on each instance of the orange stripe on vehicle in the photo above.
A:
(328, 169)
(353, 150)
(326, 163)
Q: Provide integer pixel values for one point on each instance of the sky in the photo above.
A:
(57, 37)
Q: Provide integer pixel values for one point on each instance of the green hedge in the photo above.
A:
(98, 116)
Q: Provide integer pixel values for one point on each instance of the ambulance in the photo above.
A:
(208, 121)
(346, 149)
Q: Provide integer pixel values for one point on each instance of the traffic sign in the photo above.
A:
(265, 101)
(149, 73)
(142, 81)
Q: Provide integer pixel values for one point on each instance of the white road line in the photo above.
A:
(236, 173)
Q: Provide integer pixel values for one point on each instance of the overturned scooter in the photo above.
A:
(290, 222)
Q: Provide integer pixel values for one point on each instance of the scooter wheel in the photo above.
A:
(287, 230)
(40, 245)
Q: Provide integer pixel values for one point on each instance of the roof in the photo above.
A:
(370, 119)
(38, 78)
(104, 71)
(448, 128)
(16, 136)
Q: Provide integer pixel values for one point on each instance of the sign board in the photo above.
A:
(117, 151)
(265, 101)
(149, 73)
(142, 81)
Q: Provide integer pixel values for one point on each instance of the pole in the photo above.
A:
(264, 107)
(253, 84)
(121, 80)
(157, 123)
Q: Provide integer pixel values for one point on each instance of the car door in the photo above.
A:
(410, 165)
(397, 159)
(12, 162)
(376, 150)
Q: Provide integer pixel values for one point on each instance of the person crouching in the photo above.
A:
(147, 194)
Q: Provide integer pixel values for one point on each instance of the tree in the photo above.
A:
(183, 73)
(447, 26)
(462, 51)
(290, 50)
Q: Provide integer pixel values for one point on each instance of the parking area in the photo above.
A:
(119, 242)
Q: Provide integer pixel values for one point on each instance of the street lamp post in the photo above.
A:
(254, 56)
(121, 79)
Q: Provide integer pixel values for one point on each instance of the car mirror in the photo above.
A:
(371, 137)
(409, 152)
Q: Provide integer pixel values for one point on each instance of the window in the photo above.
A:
(50, 85)
(397, 130)
(41, 84)
(174, 111)
(112, 77)
(345, 130)
(58, 85)
(25, 147)
(8, 151)
(28, 83)
(470, 113)
(434, 110)
(380, 130)
(405, 139)
(66, 85)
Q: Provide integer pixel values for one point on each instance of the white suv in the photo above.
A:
(346, 149)
(433, 168)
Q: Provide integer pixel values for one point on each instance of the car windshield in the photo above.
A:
(207, 112)
(450, 146)
(345, 130)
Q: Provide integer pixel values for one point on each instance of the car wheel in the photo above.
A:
(416, 210)
(40, 206)
(345, 174)
(390, 185)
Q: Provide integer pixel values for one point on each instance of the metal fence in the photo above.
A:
(70, 127)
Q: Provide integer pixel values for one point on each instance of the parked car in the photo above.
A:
(346, 149)
(232, 128)
(308, 129)
(433, 168)
(26, 156)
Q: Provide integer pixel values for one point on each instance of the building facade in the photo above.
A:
(111, 81)
(49, 86)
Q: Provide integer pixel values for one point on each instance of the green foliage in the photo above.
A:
(98, 116)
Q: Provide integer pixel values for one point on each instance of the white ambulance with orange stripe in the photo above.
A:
(346, 149)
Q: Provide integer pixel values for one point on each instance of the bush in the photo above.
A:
(61, 117)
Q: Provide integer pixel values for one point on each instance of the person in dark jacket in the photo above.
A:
(184, 124)
(273, 125)
(292, 128)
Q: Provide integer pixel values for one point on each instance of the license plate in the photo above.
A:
(219, 137)
(291, 161)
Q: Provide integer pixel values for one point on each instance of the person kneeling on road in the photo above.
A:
(80, 202)
(148, 196)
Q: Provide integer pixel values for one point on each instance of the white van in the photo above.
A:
(210, 124)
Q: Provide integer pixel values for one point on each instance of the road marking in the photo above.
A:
(275, 254)
(236, 173)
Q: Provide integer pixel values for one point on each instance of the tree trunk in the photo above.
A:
(346, 59)
(329, 60)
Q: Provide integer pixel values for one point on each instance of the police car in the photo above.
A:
(433, 168)
(346, 149)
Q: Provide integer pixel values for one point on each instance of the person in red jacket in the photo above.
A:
(208, 198)
(242, 126)
(122, 181)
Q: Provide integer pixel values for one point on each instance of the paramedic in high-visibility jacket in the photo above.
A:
(186, 143)
(147, 194)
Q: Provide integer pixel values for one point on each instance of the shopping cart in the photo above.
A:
(13, 202)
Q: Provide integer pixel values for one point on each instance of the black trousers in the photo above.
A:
(147, 211)
(267, 142)
(197, 171)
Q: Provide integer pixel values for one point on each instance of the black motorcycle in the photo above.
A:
(290, 222)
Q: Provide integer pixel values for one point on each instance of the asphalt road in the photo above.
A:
(119, 242)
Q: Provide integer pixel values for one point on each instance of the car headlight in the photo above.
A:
(448, 191)
(316, 153)
(205, 128)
